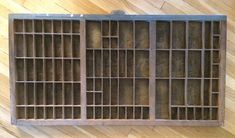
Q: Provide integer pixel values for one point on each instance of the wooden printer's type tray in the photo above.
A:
(117, 69)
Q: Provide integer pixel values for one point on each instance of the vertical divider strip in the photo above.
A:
(44, 70)
(152, 64)
(170, 57)
(34, 71)
(72, 77)
(83, 68)
(101, 68)
(133, 69)
(53, 67)
(62, 52)
(186, 71)
(202, 66)
(25, 69)
(211, 71)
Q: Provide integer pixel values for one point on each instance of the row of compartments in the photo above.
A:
(117, 112)
(196, 65)
(56, 112)
(197, 113)
(47, 70)
(113, 63)
(47, 45)
(117, 91)
(48, 94)
(122, 30)
(47, 26)
(195, 39)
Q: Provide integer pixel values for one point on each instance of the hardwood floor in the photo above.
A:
(226, 7)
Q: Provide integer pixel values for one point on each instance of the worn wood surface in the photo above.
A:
(104, 7)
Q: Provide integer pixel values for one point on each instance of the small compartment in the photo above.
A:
(20, 70)
(49, 112)
(215, 71)
(58, 112)
(214, 113)
(47, 26)
(98, 85)
(114, 63)
(182, 113)
(125, 34)
(39, 94)
(114, 112)
(76, 26)
(206, 115)
(20, 112)
(39, 69)
(162, 99)
(207, 40)
(58, 70)
(126, 92)
(98, 64)
(141, 34)
(106, 112)
(130, 113)
(207, 64)
(162, 35)
(49, 70)
(162, 63)
(40, 113)
(141, 92)
(106, 91)
(18, 25)
(76, 46)
(90, 85)
(113, 28)
(114, 43)
(20, 93)
(174, 113)
(206, 94)
(76, 93)
(137, 112)
(141, 64)
(216, 57)
(190, 114)
(30, 69)
(48, 45)
(178, 35)
(194, 92)
(145, 113)
(216, 27)
(89, 63)
(90, 98)
(215, 85)
(98, 113)
(66, 26)
(67, 46)
(93, 34)
(106, 63)
(38, 46)
(105, 28)
(76, 70)
(49, 93)
(105, 42)
(114, 91)
(57, 26)
(194, 35)
(122, 113)
(67, 70)
(68, 94)
(68, 112)
(29, 45)
(177, 92)
(215, 99)
(89, 113)
(130, 63)
(97, 98)
(216, 43)
(19, 44)
(57, 46)
(76, 112)
(178, 64)
(30, 112)
(122, 63)
(194, 64)
(58, 93)
(28, 24)
(198, 113)
(37, 25)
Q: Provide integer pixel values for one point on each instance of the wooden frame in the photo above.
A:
(117, 69)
